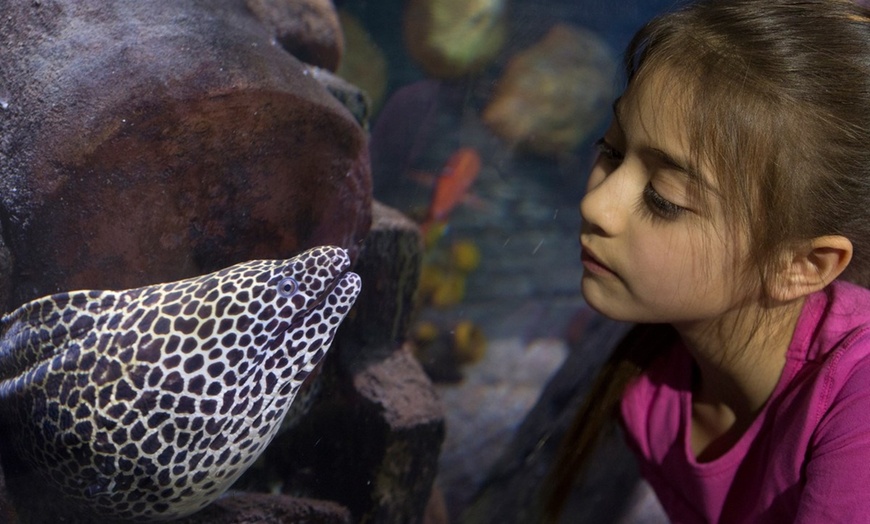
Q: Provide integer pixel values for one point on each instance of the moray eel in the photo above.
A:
(146, 404)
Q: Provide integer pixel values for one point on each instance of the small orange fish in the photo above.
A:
(452, 186)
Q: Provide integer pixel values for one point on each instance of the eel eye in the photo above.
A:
(288, 287)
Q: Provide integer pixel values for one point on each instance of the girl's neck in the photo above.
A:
(738, 364)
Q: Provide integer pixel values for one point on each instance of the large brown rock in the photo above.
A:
(143, 142)
(308, 29)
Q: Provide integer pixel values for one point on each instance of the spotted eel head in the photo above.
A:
(165, 394)
(294, 311)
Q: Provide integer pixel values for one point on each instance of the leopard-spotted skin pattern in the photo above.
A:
(146, 404)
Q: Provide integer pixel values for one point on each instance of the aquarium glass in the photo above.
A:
(476, 120)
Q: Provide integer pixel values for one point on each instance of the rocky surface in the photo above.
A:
(484, 411)
(148, 142)
(260, 508)
(307, 29)
(351, 97)
(390, 267)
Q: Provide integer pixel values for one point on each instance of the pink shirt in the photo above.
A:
(806, 458)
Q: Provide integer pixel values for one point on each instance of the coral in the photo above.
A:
(443, 349)
(469, 342)
(445, 270)
(553, 94)
(363, 63)
(465, 255)
(450, 38)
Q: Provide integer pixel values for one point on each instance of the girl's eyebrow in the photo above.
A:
(675, 164)
(686, 168)
(682, 165)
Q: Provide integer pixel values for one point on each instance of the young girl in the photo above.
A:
(729, 203)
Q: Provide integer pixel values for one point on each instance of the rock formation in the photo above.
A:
(148, 142)
(145, 142)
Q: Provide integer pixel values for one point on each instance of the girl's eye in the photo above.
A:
(659, 206)
(608, 152)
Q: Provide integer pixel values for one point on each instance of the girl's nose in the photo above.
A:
(605, 206)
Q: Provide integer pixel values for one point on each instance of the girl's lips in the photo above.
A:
(593, 265)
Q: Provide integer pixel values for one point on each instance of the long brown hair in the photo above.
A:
(778, 106)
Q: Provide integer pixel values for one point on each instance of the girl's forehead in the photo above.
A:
(659, 98)
(654, 113)
(657, 112)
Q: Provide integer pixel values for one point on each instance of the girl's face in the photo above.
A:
(656, 247)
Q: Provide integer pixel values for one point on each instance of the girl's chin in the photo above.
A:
(601, 301)
(608, 303)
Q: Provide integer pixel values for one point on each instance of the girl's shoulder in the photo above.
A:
(841, 293)
(830, 353)
(832, 389)
(833, 320)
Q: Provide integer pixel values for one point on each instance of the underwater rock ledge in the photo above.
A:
(146, 142)
(250, 508)
(307, 29)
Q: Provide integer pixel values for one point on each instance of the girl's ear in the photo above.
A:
(812, 266)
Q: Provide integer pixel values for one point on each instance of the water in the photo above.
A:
(184, 183)
(520, 213)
